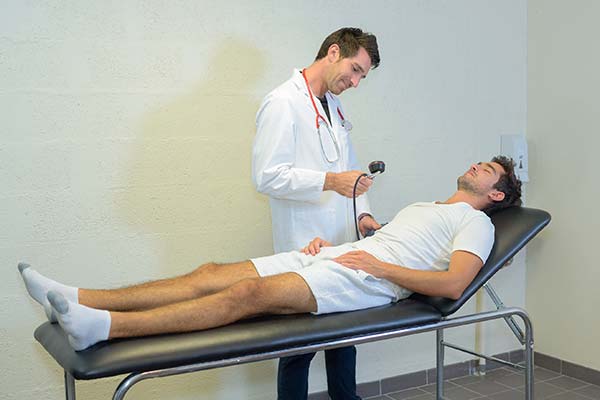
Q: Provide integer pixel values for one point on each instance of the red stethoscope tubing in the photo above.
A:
(341, 117)
(312, 100)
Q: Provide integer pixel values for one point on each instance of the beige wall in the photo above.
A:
(126, 132)
(564, 137)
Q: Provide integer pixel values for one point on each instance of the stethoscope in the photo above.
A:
(320, 121)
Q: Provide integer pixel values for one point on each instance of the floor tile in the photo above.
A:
(496, 373)
(432, 387)
(486, 387)
(407, 394)
(427, 396)
(508, 395)
(543, 390)
(566, 396)
(466, 380)
(591, 391)
(460, 393)
(491, 376)
(502, 383)
(543, 374)
(567, 382)
(511, 380)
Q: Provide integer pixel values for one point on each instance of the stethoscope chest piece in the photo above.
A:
(347, 125)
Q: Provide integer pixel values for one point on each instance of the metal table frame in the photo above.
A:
(439, 326)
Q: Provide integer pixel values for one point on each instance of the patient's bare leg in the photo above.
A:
(206, 279)
(279, 294)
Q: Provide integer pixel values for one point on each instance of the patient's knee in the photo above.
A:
(246, 289)
(209, 267)
(200, 273)
(246, 293)
(201, 279)
(274, 295)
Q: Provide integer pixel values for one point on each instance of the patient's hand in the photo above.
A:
(314, 247)
(360, 259)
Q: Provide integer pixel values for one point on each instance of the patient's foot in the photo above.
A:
(38, 286)
(84, 326)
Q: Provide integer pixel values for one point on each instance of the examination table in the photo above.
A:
(277, 336)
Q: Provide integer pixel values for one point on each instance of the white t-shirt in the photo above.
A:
(424, 235)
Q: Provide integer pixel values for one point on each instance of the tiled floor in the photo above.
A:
(503, 384)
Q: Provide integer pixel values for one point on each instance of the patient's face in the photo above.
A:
(480, 178)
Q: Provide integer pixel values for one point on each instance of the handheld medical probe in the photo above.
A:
(375, 168)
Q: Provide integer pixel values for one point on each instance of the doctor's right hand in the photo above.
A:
(314, 247)
(343, 183)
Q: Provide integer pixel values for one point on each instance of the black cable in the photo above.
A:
(354, 204)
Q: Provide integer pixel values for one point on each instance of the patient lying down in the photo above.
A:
(431, 248)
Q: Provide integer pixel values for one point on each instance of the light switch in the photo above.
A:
(515, 147)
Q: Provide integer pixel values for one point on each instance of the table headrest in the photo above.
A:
(515, 226)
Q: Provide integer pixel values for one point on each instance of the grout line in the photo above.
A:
(509, 372)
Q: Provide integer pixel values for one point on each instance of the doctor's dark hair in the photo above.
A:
(350, 40)
(508, 184)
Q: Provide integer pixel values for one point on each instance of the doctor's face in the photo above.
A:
(347, 72)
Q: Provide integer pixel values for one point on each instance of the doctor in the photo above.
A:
(304, 161)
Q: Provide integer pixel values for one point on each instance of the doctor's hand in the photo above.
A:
(343, 183)
(367, 223)
(315, 245)
(360, 259)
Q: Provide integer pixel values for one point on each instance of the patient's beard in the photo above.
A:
(465, 185)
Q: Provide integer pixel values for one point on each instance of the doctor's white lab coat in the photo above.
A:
(289, 165)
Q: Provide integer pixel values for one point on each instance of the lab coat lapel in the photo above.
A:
(298, 81)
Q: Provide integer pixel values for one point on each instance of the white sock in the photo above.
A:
(84, 326)
(38, 286)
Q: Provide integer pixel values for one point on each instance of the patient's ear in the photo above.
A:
(496, 195)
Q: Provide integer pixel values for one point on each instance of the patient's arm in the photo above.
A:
(315, 245)
(451, 284)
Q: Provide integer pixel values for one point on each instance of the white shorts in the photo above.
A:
(335, 287)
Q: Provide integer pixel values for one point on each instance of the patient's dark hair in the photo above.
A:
(350, 40)
(508, 184)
